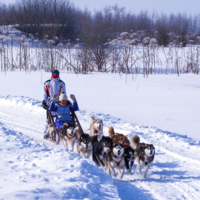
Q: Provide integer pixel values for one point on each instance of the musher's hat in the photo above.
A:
(55, 73)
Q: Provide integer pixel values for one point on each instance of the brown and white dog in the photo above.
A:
(144, 154)
(68, 135)
(96, 128)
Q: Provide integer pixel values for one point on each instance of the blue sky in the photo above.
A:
(135, 6)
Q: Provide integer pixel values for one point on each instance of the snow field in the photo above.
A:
(167, 102)
(33, 169)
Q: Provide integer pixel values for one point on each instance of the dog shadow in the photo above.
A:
(133, 191)
(165, 165)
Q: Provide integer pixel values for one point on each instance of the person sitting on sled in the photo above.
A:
(63, 109)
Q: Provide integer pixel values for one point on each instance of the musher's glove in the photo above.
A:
(72, 97)
(55, 98)
(44, 105)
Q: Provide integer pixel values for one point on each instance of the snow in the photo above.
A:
(162, 110)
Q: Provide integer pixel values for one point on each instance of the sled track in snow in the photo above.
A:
(175, 173)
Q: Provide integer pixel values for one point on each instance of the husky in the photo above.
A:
(50, 133)
(96, 128)
(100, 149)
(84, 146)
(129, 158)
(68, 135)
(118, 138)
(144, 154)
(115, 160)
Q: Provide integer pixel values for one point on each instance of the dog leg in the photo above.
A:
(113, 170)
(84, 156)
(108, 168)
(129, 171)
(146, 170)
(78, 150)
(73, 146)
(64, 142)
(94, 158)
(89, 154)
(139, 169)
(100, 161)
(128, 167)
(121, 172)
(109, 171)
(81, 152)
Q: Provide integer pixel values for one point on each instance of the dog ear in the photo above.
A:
(114, 144)
(92, 118)
(65, 126)
(77, 128)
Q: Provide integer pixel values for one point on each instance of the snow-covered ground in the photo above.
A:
(162, 110)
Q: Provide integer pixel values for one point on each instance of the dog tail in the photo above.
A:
(135, 140)
(111, 131)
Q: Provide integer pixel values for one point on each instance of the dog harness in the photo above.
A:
(114, 156)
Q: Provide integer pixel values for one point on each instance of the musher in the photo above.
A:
(52, 88)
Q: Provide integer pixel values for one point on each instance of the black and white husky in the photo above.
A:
(68, 135)
(101, 149)
(84, 145)
(115, 160)
(129, 157)
(144, 154)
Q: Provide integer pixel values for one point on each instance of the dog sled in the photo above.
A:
(56, 134)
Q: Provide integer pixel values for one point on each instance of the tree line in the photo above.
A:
(61, 21)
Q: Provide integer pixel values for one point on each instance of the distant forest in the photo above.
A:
(63, 21)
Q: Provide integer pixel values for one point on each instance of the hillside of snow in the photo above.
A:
(31, 168)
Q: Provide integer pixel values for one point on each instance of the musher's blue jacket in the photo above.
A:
(63, 113)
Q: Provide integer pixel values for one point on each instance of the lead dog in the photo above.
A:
(119, 138)
(96, 128)
(68, 135)
(115, 160)
(144, 154)
(129, 157)
(84, 146)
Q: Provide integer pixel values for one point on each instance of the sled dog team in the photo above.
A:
(115, 152)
